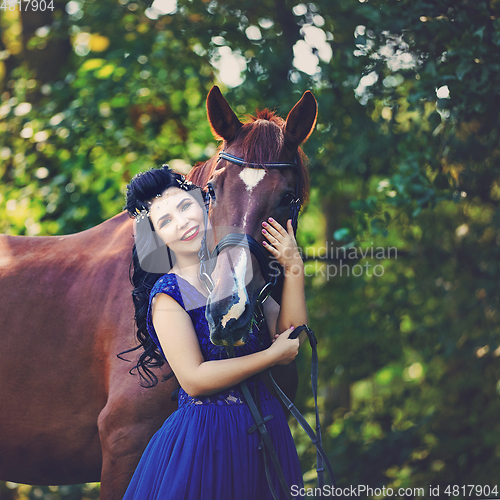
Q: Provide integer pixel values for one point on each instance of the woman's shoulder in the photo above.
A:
(167, 284)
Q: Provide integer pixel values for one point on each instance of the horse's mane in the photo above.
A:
(260, 140)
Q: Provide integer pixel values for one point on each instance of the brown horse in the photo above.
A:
(71, 412)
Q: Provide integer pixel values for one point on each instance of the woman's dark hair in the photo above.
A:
(147, 253)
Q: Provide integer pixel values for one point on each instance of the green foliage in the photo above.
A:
(405, 155)
(13, 491)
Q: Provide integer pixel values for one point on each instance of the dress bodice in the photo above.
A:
(194, 303)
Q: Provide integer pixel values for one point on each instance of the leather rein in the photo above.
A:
(245, 240)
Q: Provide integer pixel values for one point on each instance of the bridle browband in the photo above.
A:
(247, 241)
(243, 163)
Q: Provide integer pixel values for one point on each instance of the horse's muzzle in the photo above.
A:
(228, 331)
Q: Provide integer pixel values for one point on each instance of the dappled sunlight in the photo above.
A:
(314, 47)
(230, 66)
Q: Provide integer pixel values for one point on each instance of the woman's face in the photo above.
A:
(178, 220)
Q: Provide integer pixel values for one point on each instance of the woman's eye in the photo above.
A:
(186, 206)
(164, 222)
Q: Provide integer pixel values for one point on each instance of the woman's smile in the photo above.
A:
(192, 233)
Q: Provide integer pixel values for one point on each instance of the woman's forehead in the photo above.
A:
(169, 198)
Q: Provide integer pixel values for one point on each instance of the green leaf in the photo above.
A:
(91, 64)
(462, 69)
(340, 234)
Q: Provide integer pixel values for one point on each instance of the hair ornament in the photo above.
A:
(140, 214)
(184, 184)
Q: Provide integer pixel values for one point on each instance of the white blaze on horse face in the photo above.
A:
(238, 288)
(251, 177)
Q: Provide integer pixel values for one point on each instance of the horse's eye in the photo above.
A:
(286, 200)
(211, 191)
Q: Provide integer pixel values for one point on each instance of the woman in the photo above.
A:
(204, 450)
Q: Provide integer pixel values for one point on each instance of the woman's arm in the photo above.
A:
(271, 312)
(199, 377)
(282, 245)
(293, 309)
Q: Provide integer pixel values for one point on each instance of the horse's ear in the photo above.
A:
(301, 120)
(223, 121)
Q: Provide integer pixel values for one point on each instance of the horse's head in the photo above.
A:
(243, 197)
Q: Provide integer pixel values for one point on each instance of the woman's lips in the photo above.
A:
(192, 235)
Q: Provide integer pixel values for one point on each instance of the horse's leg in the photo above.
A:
(122, 444)
(126, 424)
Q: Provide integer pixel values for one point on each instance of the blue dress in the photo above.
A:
(203, 451)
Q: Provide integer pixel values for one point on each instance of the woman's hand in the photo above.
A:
(282, 245)
(283, 349)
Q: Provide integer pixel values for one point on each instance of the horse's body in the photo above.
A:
(69, 407)
(71, 412)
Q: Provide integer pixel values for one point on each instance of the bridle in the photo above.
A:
(207, 264)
